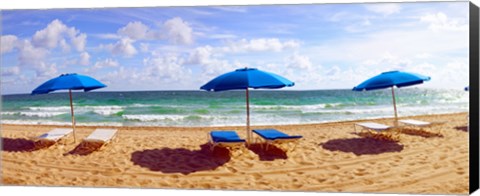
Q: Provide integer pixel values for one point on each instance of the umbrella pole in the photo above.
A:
(248, 118)
(394, 107)
(73, 115)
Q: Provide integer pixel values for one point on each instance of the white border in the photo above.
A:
(73, 191)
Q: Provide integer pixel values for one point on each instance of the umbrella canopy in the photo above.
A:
(247, 78)
(389, 80)
(69, 82)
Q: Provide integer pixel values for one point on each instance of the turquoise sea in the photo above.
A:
(201, 108)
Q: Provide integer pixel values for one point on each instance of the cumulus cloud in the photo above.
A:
(134, 30)
(79, 42)
(384, 8)
(388, 62)
(177, 31)
(201, 55)
(262, 44)
(50, 36)
(167, 67)
(122, 47)
(299, 62)
(84, 58)
(55, 34)
(106, 63)
(45, 70)
(440, 21)
(29, 54)
(32, 52)
(8, 43)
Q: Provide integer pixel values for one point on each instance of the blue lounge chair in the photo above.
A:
(225, 139)
(271, 136)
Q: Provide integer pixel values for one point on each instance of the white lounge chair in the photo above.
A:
(102, 136)
(372, 126)
(418, 123)
(54, 135)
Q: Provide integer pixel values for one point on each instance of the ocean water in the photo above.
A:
(201, 108)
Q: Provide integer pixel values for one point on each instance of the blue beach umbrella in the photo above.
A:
(69, 82)
(467, 88)
(243, 79)
(389, 80)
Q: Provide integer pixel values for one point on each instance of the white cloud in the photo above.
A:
(167, 68)
(121, 78)
(201, 55)
(177, 31)
(64, 45)
(56, 33)
(299, 62)
(8, 43)
(79, 42)
(106, 63)
(388, 62)
(262, 44)
(50, 36)
(45, 70)
(333, 72)
(84, 58)
(10, 71)
(29, 54)
(440, 21)
(384, 8)
(215, 67)
(134, 30)
(122, 47)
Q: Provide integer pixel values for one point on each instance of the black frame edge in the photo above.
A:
(474, 98)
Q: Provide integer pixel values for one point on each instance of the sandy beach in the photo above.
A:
(329, 158)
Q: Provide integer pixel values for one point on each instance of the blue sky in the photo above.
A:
(324, 46)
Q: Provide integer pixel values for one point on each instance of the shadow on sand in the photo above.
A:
(23, 145)
(462, 128)
(271, 154)
(362, 146)
(419, 132)
(85, 148)
(181, 160)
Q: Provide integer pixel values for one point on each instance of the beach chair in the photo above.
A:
(52, 136)
(101, 136)
(229, 139)
(371, 126)
(378, 131)
(418, 123)
(273, 136)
